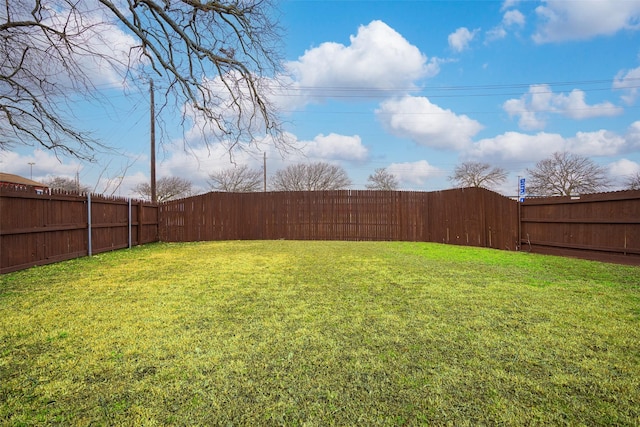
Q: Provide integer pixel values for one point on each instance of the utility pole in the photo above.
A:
(31, 164)
(154, 197)
(264, 169)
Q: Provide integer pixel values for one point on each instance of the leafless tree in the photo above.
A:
(310, 177)
(111, 182)
(211, 61)
(566, 174)
(477, 174)
(633, 182)
(239, 179)
(69, 185)
(382, 179)
(168, 188)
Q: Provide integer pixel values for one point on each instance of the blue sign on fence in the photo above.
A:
(523, 189)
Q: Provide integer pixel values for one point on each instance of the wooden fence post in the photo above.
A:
(140, 218)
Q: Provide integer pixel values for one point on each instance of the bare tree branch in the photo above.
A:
(566, 174)
(214, 60)
(382, 180)
(311, 177)
(477, 174)
(68, 185)
(633, 182)
(238, 179)
(168, 188)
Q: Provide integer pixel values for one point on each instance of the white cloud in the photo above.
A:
(287, 95)
(528, 120)
(510, 19)
(378, 59)
(414, 173)
(102, 177)
(378, 62)
(540, 101)
(195, 164)
(109, 41)
(509, 3)
(45, 165)
(243, 124)
(633, 135)
(336, 147)
(624, 168)
(460, 39)
(598, 143)
(574, 106)
(563, 20)
(121, 186)
(426, 123)
(629, 81)
(513, 17)
(200, 161)
(516, 146)
(496, 33)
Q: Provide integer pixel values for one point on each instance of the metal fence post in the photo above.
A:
(129, 220)
(89, 248)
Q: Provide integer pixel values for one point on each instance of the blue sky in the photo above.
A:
(413, 86)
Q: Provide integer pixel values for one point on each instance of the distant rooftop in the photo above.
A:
(16, 179)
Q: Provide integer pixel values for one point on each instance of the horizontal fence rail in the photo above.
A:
(603, 226)
(37, 229)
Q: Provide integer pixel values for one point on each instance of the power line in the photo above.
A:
(483, 87)
(373, 91)
(444, 112)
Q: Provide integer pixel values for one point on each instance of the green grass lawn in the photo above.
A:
(320, 333)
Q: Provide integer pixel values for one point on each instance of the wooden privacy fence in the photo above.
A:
(604, 226)
(471, 216)
(38, 229)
